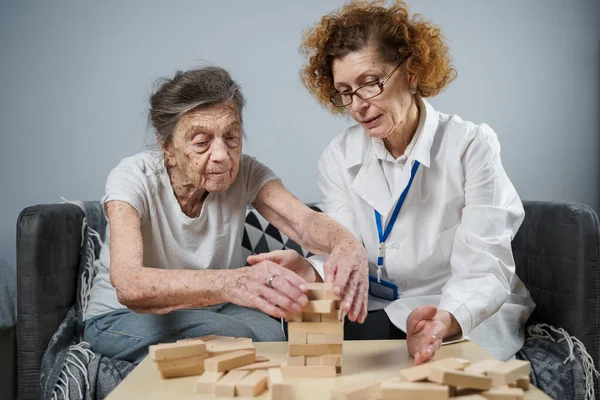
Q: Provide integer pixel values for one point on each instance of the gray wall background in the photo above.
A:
(75, 79)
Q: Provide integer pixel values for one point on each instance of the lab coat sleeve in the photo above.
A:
(481, 260)
(335, 197)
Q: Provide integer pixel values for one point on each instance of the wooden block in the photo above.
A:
(368, 390)
(331, 359)
(482, 367)
(293, 316)
(259, 365)
(323, 327)
(413, 391)
(503, 394)
(203, 338)
(314, 371)
(181, 362)
(469, 397)
(228, 342)
(167, 351)
(296, 361)
(334, 338)
(314, 349)
(177, 372)
(319, 307)
(220, 350)
(206, 383)
(421, 372)
(308, 317)
(252, 384)
(313, 360)
(297, 337)
(315, 338)
(321, 291)
(261, 359)
(521, 383)
(279, 390)
(459, 378)
(335, 316)
(225, 387)
(509, 371)
(463, 362)
(229, 361)
(219, 339)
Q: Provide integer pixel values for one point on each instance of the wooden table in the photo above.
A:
(362, 360)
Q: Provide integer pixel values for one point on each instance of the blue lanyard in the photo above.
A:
(388, 229)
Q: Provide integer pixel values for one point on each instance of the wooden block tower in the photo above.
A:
(316, 335)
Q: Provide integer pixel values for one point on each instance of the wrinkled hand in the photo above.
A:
(347, 268)
(289, 259)
(250, 287)
(426, 328)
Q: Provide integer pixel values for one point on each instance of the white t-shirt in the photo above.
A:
(171, 239)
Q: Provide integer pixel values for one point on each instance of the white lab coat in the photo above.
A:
(451, 243)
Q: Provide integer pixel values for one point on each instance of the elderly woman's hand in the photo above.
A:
(269, 287)
(347, 268)
(291, 260)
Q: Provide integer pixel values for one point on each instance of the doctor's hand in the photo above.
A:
(289, 259)
(348, 269)
(426, 328)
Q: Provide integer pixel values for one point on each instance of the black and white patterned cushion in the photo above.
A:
(261, 237)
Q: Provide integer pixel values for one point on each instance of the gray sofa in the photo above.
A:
(556, 251)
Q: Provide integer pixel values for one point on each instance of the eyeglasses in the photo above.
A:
(365, 92)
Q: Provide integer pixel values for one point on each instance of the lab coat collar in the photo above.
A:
(370, 182)
(360, 147)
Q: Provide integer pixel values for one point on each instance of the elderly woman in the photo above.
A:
(173, 268)
(424, 191)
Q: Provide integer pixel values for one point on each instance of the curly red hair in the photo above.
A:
(395, 35)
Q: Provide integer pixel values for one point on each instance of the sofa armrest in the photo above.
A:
(48, 252)
(557, 257)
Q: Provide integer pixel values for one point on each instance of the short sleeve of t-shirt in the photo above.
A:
(128, 182)
(256, 176)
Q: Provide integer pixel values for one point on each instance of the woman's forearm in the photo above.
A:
(159, 291)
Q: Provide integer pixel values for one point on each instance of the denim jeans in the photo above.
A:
(126, 335)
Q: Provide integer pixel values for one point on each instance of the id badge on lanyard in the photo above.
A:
(379, 287)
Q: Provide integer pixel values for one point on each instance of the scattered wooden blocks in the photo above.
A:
(360, 391)
(482, 367)
(503, 394)
(459, 379)
(225, 387)
(169, 351)
(392, 390)
(279, 390)
(421, 372)
(521, 383)
(206, 383)
(509, 372)
(253, 384)
(179, 359)
(259, 366)
(310, 371)
(229, 361)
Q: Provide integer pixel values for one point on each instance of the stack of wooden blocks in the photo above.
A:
(228, 366)
(316, 336)
(449, 378)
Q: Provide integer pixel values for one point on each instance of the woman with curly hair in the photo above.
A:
(426, 192)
